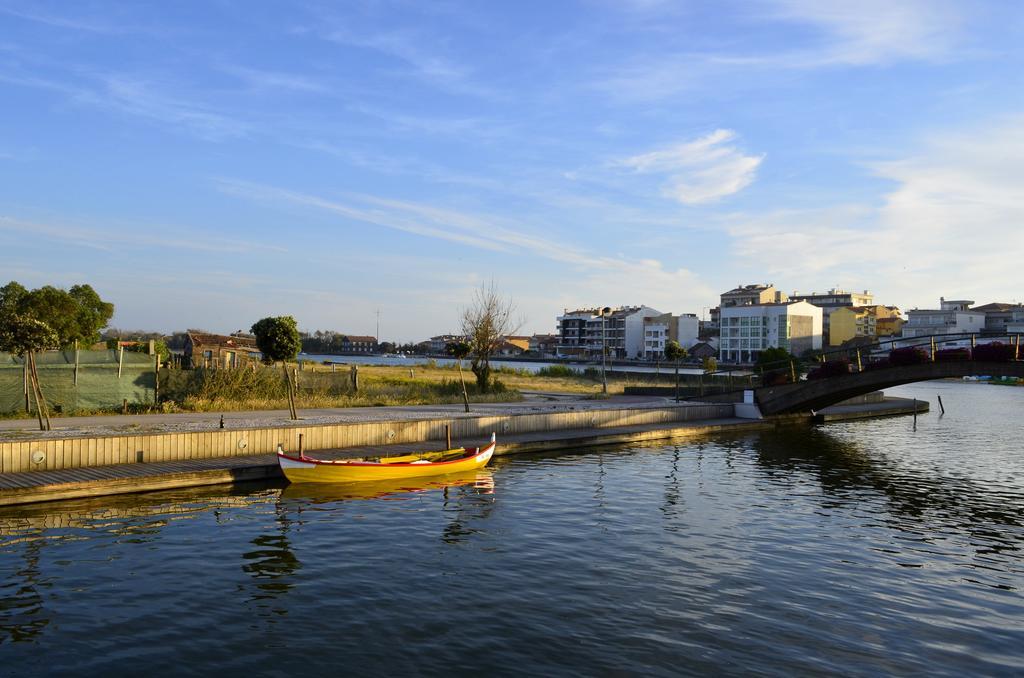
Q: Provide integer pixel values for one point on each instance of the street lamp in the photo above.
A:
(604, 351)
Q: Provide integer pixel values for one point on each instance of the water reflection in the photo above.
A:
(672, 508)
(21, 603)
(914, 494)
(299, 495)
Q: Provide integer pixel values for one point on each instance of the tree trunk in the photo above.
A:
(41, 410)
(482, 370)
(291, 391)
(462, 378)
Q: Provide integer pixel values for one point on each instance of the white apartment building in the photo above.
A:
(747, 330)
(659, 330)
(952, 317)
(583, 332)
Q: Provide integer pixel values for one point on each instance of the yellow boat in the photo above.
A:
(303, 469)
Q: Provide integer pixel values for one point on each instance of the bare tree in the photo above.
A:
(485, 324)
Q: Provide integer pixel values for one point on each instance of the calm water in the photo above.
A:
(862, 549)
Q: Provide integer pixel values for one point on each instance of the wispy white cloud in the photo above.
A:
(276, 80)
(699, 171)
(409, 47)
(140, 98)
(648, 277)
(120, 239)
(838, 34)
(36, 15)
(950, 226)
(873, 31)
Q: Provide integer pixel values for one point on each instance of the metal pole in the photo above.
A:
(604, 351)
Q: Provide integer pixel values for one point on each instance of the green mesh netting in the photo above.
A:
(98, 386)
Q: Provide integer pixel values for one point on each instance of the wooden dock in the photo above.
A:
(37, 486)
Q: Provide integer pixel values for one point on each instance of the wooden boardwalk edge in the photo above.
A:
(136, 478)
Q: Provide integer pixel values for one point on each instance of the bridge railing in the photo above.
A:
(875, 355)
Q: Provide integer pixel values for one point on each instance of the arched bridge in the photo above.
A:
(805, 396)
(846, 373)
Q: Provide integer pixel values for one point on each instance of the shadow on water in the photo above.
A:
(913, 494)
(26, 532)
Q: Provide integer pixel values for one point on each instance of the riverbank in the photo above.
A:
(197, 463)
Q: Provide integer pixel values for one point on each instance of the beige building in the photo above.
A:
(851, 322)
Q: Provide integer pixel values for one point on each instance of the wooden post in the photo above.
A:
(124, 406)
(120, 360)
(915, 414)
(860, 365)
(940, 405)
(973, 341)
(156, 379)
(28, 404)
(702, 383)
(300, 444)
(448, 436)
(76, 362)
(355, 378)
(933, 349)
(1016, 347)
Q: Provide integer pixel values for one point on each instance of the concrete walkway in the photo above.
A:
(533, 403)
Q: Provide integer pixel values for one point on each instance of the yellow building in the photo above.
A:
(851, 322)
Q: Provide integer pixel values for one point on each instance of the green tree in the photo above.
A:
(460, 350)
(675, 353)
(24, 337)
(48, 318)
(278, 339)
(709, 364)
(485, 323)
(776, 365)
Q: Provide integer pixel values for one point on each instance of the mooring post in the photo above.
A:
(300, 445)
(448, 436)
(943, 409)
(915, 414)
(860, 365)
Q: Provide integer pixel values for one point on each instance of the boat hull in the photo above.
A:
(306, 470)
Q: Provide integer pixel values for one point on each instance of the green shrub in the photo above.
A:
(558, 371)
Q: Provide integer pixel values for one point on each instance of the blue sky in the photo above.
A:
(207, 164)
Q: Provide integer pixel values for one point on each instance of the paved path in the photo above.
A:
(534, 402)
